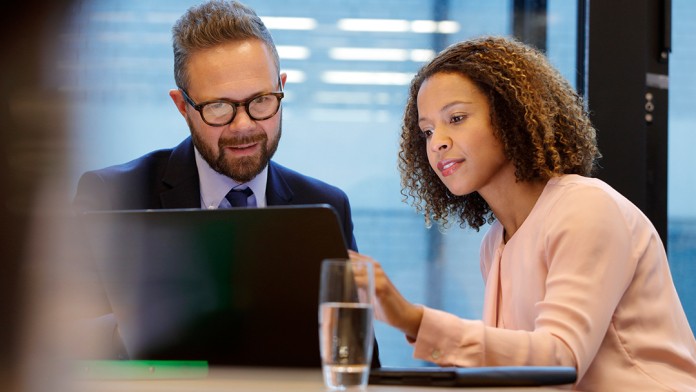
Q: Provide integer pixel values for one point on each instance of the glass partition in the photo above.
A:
(681, 212)
(349, 64)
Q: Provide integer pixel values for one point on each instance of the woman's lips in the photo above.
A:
(449, 166)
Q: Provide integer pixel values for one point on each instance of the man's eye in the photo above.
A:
(262, 99)
(217, 106)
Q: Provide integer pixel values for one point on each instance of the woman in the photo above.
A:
(575, 274)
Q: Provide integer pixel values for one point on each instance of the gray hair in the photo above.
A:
(214, 23)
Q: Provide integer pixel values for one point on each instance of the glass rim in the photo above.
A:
(199, 107)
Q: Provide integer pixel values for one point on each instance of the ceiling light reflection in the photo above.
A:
(293, 52)
(288, 23)
(399, 26)
(374, 78)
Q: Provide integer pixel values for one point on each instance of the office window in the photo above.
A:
(349, 63)
(681, 242)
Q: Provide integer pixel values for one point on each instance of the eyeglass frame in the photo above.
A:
(199, 107)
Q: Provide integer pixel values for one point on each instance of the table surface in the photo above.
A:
(255, 380)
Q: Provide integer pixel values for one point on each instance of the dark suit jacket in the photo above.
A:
(169, 179)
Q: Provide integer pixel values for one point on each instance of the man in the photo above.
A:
(229, 92)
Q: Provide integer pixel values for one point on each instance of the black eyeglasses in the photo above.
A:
(221, 112)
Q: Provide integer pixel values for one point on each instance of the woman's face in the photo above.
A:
(462, 149)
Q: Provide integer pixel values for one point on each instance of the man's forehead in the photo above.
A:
(243, 55)
(234, 68)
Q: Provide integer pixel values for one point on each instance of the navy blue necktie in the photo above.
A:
(238, 197)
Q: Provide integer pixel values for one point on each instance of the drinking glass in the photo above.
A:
(345, 323)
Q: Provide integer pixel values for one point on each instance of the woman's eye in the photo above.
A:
(426, 133)
(457, 118)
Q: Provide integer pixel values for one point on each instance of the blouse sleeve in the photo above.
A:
(448, 340)
(590, 263)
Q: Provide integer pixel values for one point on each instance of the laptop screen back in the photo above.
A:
(234, 287)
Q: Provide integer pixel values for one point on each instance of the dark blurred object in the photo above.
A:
(32, 134)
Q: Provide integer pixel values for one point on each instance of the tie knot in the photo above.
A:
(238, 197)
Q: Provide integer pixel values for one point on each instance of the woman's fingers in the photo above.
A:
(390, 306)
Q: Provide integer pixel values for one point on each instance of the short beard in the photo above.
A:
(243, 169)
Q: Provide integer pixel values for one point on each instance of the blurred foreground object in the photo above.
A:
(35, 142)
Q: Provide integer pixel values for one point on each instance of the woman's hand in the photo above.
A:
(391, 307)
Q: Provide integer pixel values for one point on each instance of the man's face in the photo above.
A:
(235, 71)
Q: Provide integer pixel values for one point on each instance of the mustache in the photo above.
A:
(242, 139)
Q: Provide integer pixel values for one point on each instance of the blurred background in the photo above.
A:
(85, 85)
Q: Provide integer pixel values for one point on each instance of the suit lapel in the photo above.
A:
(182, 187)
(180, 181)
(278, 192)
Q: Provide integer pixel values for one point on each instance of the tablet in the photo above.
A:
(474, 376)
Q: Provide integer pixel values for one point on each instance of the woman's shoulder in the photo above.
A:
(582, 190)
(574, 198)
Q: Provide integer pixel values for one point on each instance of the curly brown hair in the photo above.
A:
(536, 114)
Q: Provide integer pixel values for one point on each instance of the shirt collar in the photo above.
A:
(214, 186)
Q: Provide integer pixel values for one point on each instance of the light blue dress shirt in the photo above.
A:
(214, 186)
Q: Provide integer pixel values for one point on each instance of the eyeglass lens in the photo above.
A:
(259, 108)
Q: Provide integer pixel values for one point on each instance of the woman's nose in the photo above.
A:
(440, 141)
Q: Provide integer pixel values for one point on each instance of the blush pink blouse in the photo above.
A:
(584, 282)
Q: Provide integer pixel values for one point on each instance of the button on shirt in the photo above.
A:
(214, 186)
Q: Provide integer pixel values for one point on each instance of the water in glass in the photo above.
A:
(346, 343)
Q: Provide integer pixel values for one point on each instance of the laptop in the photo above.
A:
(494, 376)
(235, 286)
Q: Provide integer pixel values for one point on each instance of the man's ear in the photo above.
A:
(179, 101)
(283, 79)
